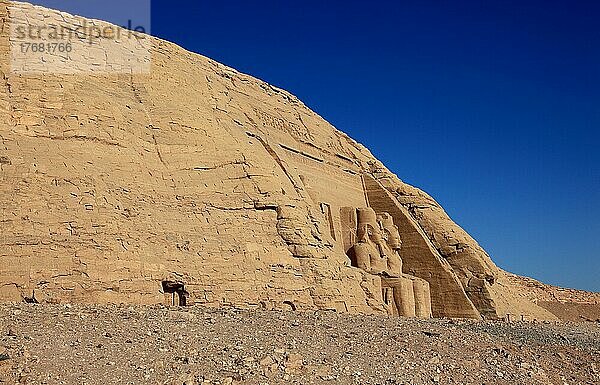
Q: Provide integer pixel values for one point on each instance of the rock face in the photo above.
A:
(195, 183)
(566, 304)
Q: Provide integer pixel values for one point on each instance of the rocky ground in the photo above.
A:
(42, 344)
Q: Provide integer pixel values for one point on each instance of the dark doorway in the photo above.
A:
(175, 293)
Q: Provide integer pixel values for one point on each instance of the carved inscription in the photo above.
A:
(295, 130)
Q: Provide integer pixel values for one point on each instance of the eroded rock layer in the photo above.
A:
(195, 183)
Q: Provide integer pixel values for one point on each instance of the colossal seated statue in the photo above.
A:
(420, 287)
(376, 251)
(366, 253)
(392, 246)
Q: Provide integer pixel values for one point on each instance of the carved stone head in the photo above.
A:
(390, 230)
(368, 227)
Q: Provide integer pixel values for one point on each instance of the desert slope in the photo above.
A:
(566, 304)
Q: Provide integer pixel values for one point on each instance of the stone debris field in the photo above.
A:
(64, 344)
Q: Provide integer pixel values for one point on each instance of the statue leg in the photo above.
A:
(404, 297)
(372, 286)
(422, 298)
(428, 301)
(388, 299)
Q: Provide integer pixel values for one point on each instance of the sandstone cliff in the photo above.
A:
(566, 304)
(115, 186)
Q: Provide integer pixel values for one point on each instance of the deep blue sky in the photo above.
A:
(491, 107)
